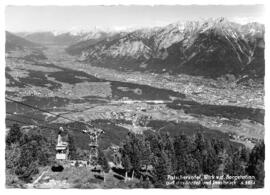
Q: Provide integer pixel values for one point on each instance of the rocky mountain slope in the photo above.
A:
(210, 48)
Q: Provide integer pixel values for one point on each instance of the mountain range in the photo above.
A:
(209, 48)
(65, 37)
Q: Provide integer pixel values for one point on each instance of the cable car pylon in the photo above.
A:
(93, 134)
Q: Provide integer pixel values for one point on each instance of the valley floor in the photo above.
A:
(69, 90)
(199, 89)
(83, 92)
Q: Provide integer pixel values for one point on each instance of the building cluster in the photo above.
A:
(242, 138)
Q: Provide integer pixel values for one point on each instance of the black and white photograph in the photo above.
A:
(134, 96)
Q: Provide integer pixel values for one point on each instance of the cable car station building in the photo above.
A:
(62, 149)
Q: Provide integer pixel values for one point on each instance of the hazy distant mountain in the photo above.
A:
(64, 38)
(79, 47)
(209, 48)
(14, 42)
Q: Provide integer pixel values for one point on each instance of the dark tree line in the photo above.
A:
(158, 154)
(190, 155)
(26, 151)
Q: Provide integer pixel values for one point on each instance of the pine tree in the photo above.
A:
(160, 171)
(72, 148)
(146, 154)
(256, 164)
(13, 153)
(168, 149)
(103, 162)
(127, 152)
(14, 135)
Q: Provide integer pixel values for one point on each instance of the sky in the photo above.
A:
(66, 18)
